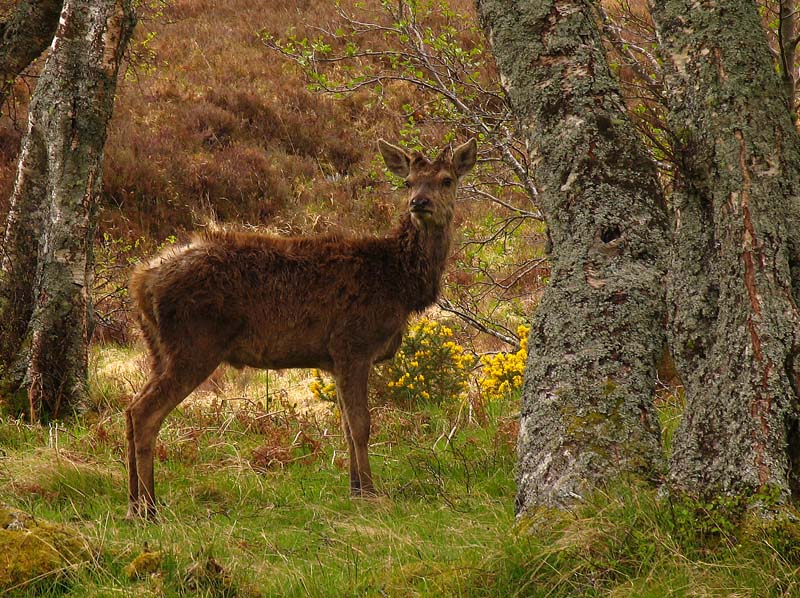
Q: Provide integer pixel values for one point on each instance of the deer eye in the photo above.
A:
(447, 182)
(407, 184)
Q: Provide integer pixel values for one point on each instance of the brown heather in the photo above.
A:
(219, 124)
(226, 121)
(221, 128)
(250, 299)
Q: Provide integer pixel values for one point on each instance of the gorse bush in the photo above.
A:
(429, 366)
(322, 389)
(502, 373)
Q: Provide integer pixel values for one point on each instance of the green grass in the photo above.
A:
(287, 528)
(250, 507)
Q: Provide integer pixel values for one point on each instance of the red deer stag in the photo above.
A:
(272, 302)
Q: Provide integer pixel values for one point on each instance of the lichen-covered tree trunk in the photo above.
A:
(24, 34)
(597, 334)
(734, 281)
(27, 30)
(46, 268)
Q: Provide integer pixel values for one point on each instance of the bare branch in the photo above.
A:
(493, 198)
(475, 321)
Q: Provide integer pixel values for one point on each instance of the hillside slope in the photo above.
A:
(211, 124)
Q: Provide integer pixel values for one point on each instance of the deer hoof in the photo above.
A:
(367, 493)
(133, 512)
(137, 513)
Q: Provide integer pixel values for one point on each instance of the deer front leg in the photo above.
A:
(352, 386)
(355, 481)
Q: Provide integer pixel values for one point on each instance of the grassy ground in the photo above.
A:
(264, 494)
(254, 503)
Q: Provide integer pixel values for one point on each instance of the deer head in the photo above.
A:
(432, 185)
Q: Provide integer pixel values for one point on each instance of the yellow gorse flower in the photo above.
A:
(429, 366)
(322, 391)
(503, 373)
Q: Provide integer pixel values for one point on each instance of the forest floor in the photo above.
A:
(253, 493)
(253, 502)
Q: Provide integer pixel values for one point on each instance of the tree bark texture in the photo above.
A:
(734, 280)
(597, 335)
(28, 30)
(47, 263)
(787, 49)
(24, 36)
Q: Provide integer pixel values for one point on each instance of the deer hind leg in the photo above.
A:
(148, 324)
(352, 384)
(133, 476)
(144, 416)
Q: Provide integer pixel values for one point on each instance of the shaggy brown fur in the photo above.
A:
(270, 302)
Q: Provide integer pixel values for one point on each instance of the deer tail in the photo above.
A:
(145, 311)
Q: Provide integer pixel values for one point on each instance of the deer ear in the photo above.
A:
(465, 156)
(397, 160)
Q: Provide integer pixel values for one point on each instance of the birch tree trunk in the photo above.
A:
(45, 277)
(734, 281)
(597, 335)
(24, 35)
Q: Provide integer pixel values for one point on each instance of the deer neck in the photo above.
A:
(423, 256)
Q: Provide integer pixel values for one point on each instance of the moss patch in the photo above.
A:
(143, 565)
(34, 551)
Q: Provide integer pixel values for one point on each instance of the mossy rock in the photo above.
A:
(34, 552)
(147, 563)
(9, 517)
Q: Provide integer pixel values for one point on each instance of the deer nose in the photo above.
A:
(420, 204)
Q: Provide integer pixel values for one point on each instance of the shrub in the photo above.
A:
(503, 372)
(429, 366)
(113, 260)
(321, 389)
